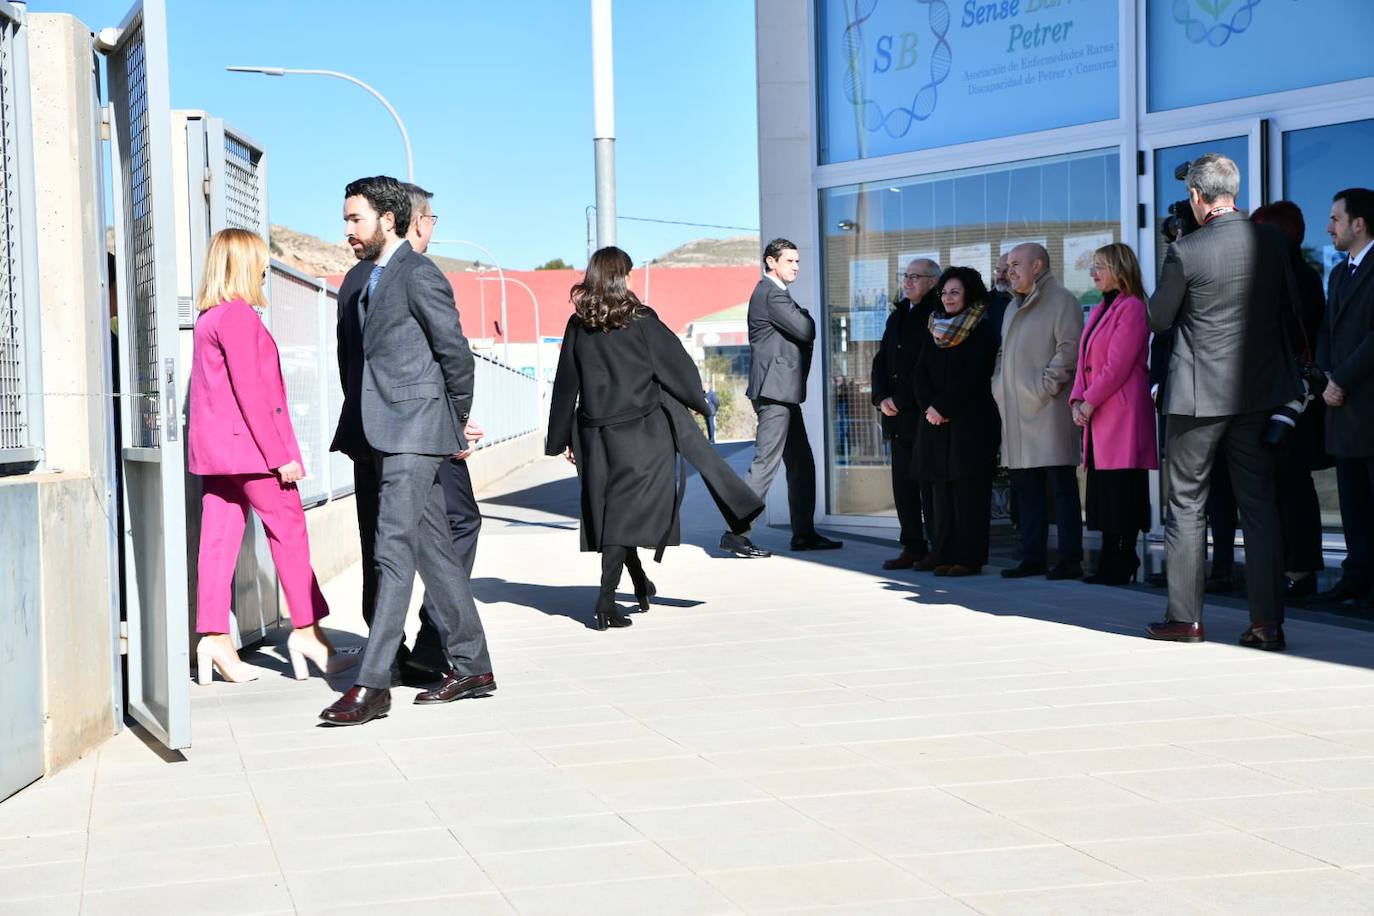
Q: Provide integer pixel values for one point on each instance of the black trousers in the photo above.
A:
(961, 518)
(1029, 486)
(1221, 516)
(464, 525)
(911, 496)
(1300, 517)
(781, 442)
(1190, 452)
(1355, 483)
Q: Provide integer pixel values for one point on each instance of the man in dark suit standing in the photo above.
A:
(1345, 351)
(407, 401)
(781, 337)
(895, 398)
(1225, 291)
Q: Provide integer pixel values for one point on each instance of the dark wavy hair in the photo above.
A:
(386, 195)
(1287, 216)
(603, 300)
(975, 290)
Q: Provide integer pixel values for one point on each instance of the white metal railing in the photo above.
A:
(506, 401)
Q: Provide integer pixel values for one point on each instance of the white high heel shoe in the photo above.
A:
(209, 659)
(327, 660)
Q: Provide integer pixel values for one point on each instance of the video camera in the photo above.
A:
(1180, 220)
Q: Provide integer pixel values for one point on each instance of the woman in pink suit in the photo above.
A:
(1111, 402)
(241, 443)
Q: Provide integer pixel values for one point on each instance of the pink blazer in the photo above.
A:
(1113, 376)
(239, 421)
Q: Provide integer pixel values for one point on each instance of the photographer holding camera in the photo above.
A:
(1225, 291)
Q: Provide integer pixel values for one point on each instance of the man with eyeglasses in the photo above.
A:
(895, 399)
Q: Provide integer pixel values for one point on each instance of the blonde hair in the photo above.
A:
(1121, 261)
(234, 265)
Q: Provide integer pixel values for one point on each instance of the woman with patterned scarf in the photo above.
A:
(957, 442)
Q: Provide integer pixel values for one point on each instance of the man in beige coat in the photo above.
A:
(1031, 383)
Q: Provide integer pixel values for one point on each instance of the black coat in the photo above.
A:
(957, 381)
(781, 337)
(620, 399)
(895, 361)
(1307, 451)
(1346, 350)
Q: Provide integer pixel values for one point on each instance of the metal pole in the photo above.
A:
(505, 338)
(591, 231)
(603, 134)
(538, 338)
(646, 282)
(282, 71)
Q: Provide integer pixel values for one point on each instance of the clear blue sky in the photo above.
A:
(497, 99)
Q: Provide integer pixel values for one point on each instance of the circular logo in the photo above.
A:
(897, 121)
(1207, 22)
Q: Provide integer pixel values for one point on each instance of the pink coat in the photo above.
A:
(1113, 377)
(239, 422)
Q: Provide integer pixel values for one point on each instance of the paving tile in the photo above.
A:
(472, 808)
(715, 790)
(1000, 870)
(465, 905)
(1300, 809)
(1343, 845)
(1135, 899)
(1197, 855)
(482, 839)
(925, 906)
(977, 830)
(906, 805)
(834, 781)
(579, 865)
(1328, 891)
(1200, 782)
(364, 884)
(179, 866)
(1030, 794)
(347, 819)
(138, 839)
(207, 898)
(1348, 773)
(679, 895)
(723, 852)
(715, 820)
(44, 849)
(23, 882)
(345, 850)
(1116, 822)
(774, 760)
(59, 905)
(850, 884)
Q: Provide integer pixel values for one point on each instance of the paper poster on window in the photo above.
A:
(1009, 244)
(978, 256)
(1078, 261)
(868, 298)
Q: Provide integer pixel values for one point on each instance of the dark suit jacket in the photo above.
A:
(403, 359)
(1346, 350)
(1226, 290)
(781, 335)
(895, 361)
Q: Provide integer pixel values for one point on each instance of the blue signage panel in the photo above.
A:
(903, 75)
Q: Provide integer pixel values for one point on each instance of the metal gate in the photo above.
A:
(150, 371)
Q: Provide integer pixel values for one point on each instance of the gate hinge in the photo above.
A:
(124, 637)
(105, 123)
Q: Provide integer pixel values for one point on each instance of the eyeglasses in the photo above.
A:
(431, 217)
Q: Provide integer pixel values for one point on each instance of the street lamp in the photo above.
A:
(505, 338)
(538, 338)
(282, 71)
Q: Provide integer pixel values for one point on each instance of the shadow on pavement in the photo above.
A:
(576, 602)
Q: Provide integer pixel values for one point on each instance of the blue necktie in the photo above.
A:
(372, 280)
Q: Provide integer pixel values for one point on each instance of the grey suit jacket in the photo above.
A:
(417, 370)
(1226, 291)
(781, 335)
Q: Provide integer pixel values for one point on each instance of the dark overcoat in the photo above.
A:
(1346, 351)
(894, 362)
(957, 381)
(621, 399)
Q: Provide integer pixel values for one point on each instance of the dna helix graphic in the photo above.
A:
(899, 121)
(1219, 32)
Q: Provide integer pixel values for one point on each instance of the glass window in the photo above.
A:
(898, 75)
(1204, 51)
(1170, 189)
(870, 232)
(1317, 163)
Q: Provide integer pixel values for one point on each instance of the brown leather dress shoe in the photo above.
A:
(943, 569)
(926, 565)
(959, 569)
(455, 686)
(905, 560)
(1266, 636)
(360, 704)
(1175, 631)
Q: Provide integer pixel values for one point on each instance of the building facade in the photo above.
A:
(955, 129)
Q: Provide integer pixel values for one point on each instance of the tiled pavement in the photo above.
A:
(797, 735)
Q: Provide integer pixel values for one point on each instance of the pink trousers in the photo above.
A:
(224, 514)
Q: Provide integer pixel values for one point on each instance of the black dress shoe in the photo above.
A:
(1220, 585)
(411, 673)
(816, 542)
(359, 705)
(1065, 571)
(1300, 588)
(455, 686)
(1023, 569)
(1175, 631)
(1266, 636)
(1344, 590)
(741, 546)
(905, 560)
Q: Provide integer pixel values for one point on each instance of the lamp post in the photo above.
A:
(505, 338)
(603, 113)
(282, 71)
(538, 338)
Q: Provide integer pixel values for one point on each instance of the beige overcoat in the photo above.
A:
(1034, 374)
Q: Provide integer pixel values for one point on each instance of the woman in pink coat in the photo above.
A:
(1111, 402)
(241, 443)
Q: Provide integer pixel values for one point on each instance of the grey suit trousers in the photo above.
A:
(413, 535)
(781, 441)
(1190, 449)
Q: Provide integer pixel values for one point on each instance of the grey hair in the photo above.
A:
(419, 197)
(1214, 176)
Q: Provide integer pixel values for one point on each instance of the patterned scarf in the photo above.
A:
(955, 329)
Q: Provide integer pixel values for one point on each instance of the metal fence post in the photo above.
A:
(325, 465)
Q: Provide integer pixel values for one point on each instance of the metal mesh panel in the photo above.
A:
(340, 465)
(13, 401)
(296, 326)
(242, 189)
(128, 90)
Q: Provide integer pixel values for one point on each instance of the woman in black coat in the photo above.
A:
(619, 412)
(957, 440)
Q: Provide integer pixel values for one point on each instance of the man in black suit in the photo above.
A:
(1345, 351)
(407, 373)
(1226, 292)
(895, 398)
(781, 337)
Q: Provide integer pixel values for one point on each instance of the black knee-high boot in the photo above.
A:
(607, 613)
(644, 589)
(1107, 560)
(1128, 561)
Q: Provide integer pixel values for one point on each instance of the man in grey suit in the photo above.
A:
(1225, 291)
(414, 394)
(781, 336)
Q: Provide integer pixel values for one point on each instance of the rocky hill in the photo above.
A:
(736, 251)
(318, 258)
